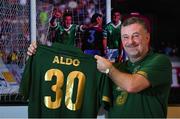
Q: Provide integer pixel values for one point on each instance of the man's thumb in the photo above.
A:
(97, 57)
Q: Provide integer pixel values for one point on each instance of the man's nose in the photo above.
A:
(131, 40)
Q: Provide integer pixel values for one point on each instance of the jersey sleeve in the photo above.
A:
(157, 69)
(26, 80)
(56, 27)
(105, 32)
(78, 27)
(105, 91)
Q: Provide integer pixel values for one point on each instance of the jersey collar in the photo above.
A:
(140, 61)
(115, 26)
(67, 29)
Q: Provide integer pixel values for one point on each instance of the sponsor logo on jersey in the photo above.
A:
(121, 99)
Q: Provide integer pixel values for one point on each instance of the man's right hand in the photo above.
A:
(32, 48)
(103, 64)
(57, 13)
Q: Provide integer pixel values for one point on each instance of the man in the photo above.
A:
(92, 40)
(141, 85)
(65, 31)
(112, 37)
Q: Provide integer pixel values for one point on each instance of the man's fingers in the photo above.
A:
(98, 57)
(32, 48)
(33, 44)
(31, 51)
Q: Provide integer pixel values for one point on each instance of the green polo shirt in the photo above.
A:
(151, 102)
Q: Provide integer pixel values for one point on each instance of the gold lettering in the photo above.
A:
(58, 92)
(68, 61)
(61, 60)
(56, 60)
(76, 62)
(69, 90)
(55, 88)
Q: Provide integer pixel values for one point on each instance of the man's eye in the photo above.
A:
(136, 36)
(125, 37)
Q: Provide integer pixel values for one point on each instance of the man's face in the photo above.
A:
(67, 21)
(99, 20)
(135, 40)
(116, 17)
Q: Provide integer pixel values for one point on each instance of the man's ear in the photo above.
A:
(148, 37)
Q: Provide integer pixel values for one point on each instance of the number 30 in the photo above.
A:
(69, 89)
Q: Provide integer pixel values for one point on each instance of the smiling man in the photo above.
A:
(141, 85)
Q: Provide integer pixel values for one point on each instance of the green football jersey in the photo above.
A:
(66, 36)
(113, 36)
(151, 102)
(61, 81)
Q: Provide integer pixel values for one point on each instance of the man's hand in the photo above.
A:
(32, 48)
(57, 13)
(103, 64)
